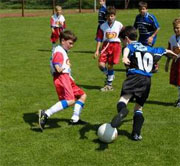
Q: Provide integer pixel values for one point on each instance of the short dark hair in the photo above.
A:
(143, 4)
(130, 32)
(111, 10)
(67, 35)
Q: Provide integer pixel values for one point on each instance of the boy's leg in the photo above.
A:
(110, 75)
(79, 104)
(138, 121)
(109, 79)
(77, 111)
(44, 115)
(122, 111)
(103, 68)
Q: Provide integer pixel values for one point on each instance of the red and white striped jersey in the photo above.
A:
(109, 33)
(60, 57)
(57, 21)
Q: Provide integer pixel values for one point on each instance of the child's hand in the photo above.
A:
(150, 40)
(59, 69)
(126, 61)
(96, 54)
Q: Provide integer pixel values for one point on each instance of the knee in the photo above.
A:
(70, 102)
(83, 97)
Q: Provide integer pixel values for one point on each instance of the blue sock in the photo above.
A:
(110, 77)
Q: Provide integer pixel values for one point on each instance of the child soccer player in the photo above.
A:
(148, 27)
(68, 92)
(57, 25)
(140, 60)
(102, 12)
(110, 54)
(174, 45)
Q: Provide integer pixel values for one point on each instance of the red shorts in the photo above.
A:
(111, 54)
(66, 88)
(175, 72)
(55, 35)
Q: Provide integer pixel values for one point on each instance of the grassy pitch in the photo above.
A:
(26, 87)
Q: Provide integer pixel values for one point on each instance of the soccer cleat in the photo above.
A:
(42, 119)
(136, 137)
(79, 122)
(107, 88)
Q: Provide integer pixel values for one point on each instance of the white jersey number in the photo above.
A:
(145, 62)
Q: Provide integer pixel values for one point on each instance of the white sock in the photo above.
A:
(77, 111)
(56, 107)
(53, 46)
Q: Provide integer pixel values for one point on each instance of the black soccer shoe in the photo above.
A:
(42, 119)
(79, 122)
(136, 137)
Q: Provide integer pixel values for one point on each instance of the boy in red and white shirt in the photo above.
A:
(174, 45)
(68, 92)
(108, 34)
(57, 25)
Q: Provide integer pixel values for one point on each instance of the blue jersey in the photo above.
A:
(142, 58)
(102, 15)
(146, 25)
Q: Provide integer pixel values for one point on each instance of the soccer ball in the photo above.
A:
(106, 133)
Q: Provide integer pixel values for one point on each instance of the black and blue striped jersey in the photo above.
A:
(102, 15)
(146, 25)
(142, 58)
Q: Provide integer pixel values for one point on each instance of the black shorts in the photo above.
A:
(137, 85)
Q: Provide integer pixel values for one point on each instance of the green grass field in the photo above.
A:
(26, 86)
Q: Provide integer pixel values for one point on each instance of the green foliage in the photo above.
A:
(46, 4)
(26, 86)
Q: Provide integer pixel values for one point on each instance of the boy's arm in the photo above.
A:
(99, 38)
(58, 68)
(171, 53)
(125, 58)
(58, 61)
(96, 54)
(168, 59)
(150, 39)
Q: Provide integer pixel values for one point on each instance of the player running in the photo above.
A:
(140, 60)
(68, 92)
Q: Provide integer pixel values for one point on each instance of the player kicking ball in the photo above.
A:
(68, 92)
(140, 60)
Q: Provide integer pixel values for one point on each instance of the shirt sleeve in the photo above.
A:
(135, 23)
(52, 22)
(99, 36)
(156, 24)
(58, 59)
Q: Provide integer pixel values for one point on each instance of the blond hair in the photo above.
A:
(58, 8)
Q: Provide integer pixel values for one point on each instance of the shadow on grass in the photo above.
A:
(32, 119)
(159, 103)
(155, 102)
(120, 70)
(94, 127)
(44, 50)
(90, 86)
